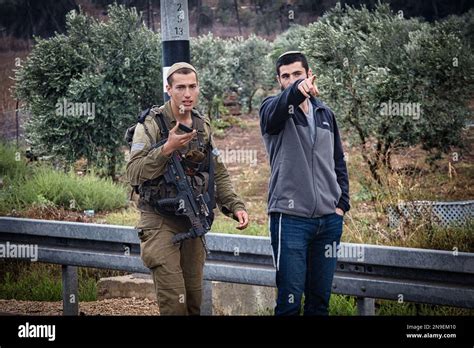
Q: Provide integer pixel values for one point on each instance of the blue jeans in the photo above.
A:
(304, 265)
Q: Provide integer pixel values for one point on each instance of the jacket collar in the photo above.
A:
(317, 103)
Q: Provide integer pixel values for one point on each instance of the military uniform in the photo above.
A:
(177, 269)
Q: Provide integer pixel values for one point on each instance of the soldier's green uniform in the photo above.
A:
(177, 269)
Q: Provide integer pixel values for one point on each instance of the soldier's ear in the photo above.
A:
(168, 89)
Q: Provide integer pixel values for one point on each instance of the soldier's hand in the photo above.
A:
(175, 141)
(243, 218)
(307, 87)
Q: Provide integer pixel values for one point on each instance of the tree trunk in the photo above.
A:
(198, 20)
(264, 19)
(111, 169)
(149, 14)
(250, 101)
(236, 5)
(209, 109)
(363, 145)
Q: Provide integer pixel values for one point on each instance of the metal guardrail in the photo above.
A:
(394, 273)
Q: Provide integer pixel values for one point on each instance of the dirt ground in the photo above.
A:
(247, 138)
(116, 306)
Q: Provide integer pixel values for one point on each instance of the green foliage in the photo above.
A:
(12, 165)
(113, 67)
(38, 286)
(290, 40)
(225, 11)
(210, 58)
(68, 190)
(251, 67)
(365, 59)
(342, 305)
(124, 217)
(47, 187)
(225, 225)
(386, 307)
(238, 64)
(41, 282)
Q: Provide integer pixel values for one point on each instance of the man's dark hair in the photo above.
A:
(290, 58)
(184, 71)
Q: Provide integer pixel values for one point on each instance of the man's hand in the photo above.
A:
(339, 211)
(307, 86)
(175, 141)
(243, 219)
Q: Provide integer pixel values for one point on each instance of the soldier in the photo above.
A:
(177, 269)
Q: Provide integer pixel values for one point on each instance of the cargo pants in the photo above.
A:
(177, 270)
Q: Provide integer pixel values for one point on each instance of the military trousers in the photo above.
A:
(177, 269)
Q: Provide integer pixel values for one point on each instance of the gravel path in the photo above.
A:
(116, 306)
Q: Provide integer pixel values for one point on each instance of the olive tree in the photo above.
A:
(84, 88)
(392, 81)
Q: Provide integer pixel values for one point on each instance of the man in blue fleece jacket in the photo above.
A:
(308, 189)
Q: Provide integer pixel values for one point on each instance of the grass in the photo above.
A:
(391, 308)
(343, 305)
(77, 193)
(123, 217)
(42, 282)
(34, 281)
(25, 186)
(12, 166)
(367, 221)
(223, 224)
(33, 286)
(220, 125)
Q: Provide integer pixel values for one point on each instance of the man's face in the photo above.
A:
(290, 73)
(184, 91)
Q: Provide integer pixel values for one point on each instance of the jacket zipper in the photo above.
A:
(312, 161)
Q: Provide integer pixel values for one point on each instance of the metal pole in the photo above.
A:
(174, 35)
(70, 290)
(206, 305)
(365, 306)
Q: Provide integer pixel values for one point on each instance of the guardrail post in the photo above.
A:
(70, 290)
(206, 305)
(365, 306)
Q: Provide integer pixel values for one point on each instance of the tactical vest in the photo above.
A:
(200, 174)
